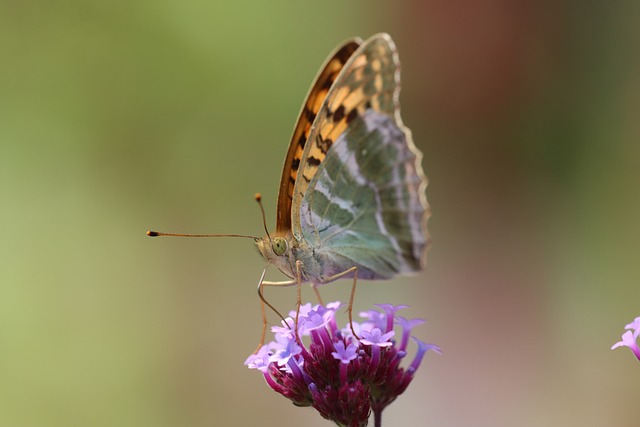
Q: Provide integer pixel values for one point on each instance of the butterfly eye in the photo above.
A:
(279, 245)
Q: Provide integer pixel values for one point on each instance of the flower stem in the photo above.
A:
(377, 418)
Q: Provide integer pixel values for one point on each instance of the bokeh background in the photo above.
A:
(117, 117)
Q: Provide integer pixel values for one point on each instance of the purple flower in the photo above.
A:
(634, 326)
(376, 338)
(282, 356)
(629, 337)
(390, 311)
(407, 326)
(285, 331)
(375, 318)
(343, 378)
(317, 319)
(259, 360)
(345, 355)
(422, 349)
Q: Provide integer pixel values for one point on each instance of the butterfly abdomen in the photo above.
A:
(321, 266)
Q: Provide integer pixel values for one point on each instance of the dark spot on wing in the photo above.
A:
(352, 115)
(329, 81)
(312, 161)
(311, 116)
(323, 144)
(326, 145)
(338, 114)
(346, 53)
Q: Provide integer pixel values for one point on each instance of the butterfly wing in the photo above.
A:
(361, 200)
(317, 94)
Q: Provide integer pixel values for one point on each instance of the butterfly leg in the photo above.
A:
(353, 270)
(299, 298)
(294, 282)
(263, 302)
(317, 292)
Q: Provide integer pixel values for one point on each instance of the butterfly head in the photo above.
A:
(277, 250)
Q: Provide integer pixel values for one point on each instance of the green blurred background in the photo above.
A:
(117, 117)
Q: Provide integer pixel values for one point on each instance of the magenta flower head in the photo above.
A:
(629, 337)
(342, 377)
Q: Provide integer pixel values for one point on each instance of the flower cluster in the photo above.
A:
(630, 336)
(344, 377)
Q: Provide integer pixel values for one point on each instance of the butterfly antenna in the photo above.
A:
(151, 233)
(258, 198)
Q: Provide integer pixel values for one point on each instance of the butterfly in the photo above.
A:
(352, 193)
(352, 198)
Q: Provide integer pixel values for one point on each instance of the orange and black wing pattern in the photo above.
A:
(370, 80)
(314, 101)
